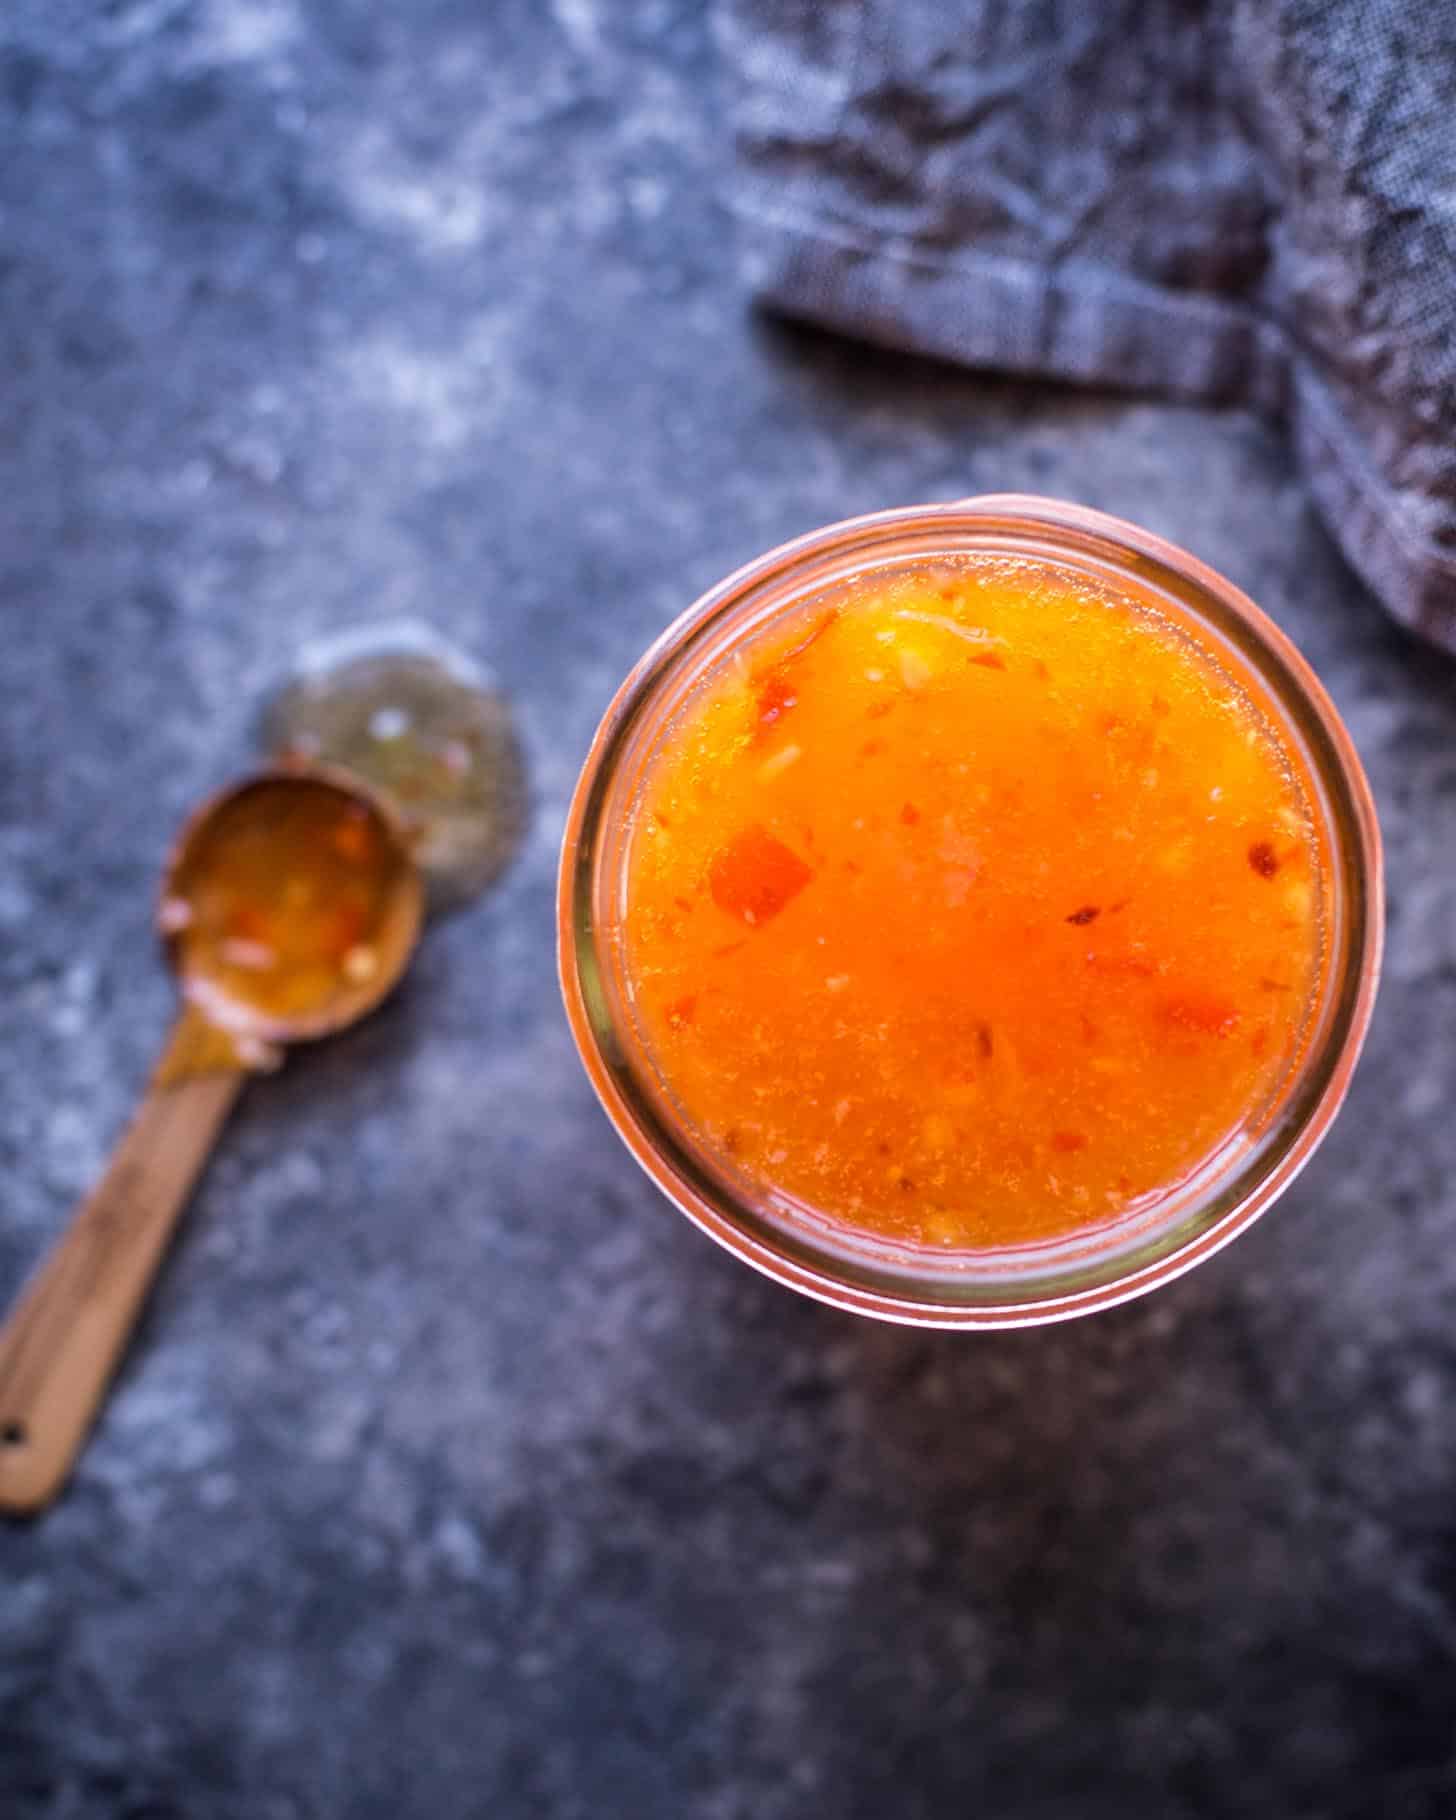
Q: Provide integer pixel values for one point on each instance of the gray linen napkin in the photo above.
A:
(1250, 201)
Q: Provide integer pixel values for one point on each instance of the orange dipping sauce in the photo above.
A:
(284, 910)
(971, 905)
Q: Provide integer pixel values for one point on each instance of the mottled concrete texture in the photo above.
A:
(453, 1474)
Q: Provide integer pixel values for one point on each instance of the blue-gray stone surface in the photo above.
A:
(452, 1472)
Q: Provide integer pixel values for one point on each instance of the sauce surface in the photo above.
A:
(284, 903)
(970, 906)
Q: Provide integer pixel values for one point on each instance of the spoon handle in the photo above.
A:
(65, 1335)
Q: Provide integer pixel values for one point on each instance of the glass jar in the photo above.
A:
(1086, 1270)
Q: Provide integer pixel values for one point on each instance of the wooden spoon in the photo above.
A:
(290, 907)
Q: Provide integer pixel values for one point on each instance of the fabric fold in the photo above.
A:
(1254, 204)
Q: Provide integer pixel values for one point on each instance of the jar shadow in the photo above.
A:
(1112, 1561)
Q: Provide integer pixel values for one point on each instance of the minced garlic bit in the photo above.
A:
(253, 957)
(175, 914)
(972, 635)
(361, 963)
(771, 767)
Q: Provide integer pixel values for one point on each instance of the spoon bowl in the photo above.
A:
(291, 905)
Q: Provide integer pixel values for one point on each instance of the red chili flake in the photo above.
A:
(1203, 1012)
(681, 1010)
(816, 631)
(1090, 1032)
(721, 954)
(883, 1147)
(660, 819)
(853, 867)
(909, 814)
(1089, 913)
(1121, 904)
(1273, 985)
(755, 875)
(1068, 1141)
(776, 692)
(1261, 1040)
(985, 1042)
(905, 1185)
(775, 699)
(1263, 859)
(1043, 673)
(731, 1140)
(1160, 707)
(683, 903)
(988, 660)
(1124, 1184)
(877, 710)
(872, 748)
(1109, 723)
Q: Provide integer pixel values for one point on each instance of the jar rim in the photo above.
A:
(1099, 1266)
